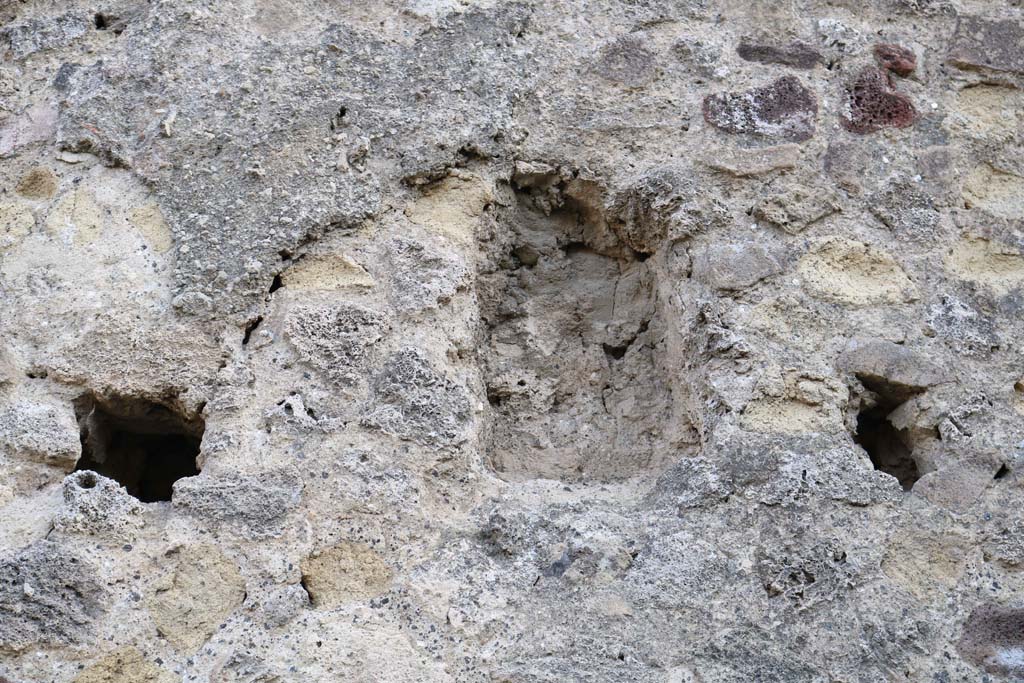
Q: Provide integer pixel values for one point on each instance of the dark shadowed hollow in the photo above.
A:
(143, 445)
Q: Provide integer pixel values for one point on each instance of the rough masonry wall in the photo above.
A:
(454, 341)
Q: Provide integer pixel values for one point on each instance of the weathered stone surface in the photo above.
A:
(754, 162)
(336, 339)
(796, 54)
(987, 44)
(463, 341)
(784, 109)
(881, 361)
(895, 58)
(50, 596)
(735, 266)
(195, 595)
(872, 104)
(254, 504)
(838, 269)
(96, 505)
(40, 432)
(413, 401)
(992, 639)
(124, 665)
(347, 572)
(797, 207)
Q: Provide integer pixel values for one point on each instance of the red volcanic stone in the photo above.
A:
(797, 55)
(984, 44)
(896, 59)
(872, 104)
(783, 109)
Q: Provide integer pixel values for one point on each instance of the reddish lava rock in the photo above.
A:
(873, 104)
(896, 59)
(783, 109)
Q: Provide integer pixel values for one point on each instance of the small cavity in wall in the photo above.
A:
(574, 348)
(142, 444)
(891, 449)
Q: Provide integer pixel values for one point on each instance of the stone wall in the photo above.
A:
(673, 341)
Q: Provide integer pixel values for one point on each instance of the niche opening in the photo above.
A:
(890, 449)
(144, 445)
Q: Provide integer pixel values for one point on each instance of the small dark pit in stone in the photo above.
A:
(86, 480)
(250, 328)
(616, 352)
(142, 444)
(276, 284)
(1002, 472)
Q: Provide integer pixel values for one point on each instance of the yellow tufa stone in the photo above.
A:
(150, 222)
(346, 572)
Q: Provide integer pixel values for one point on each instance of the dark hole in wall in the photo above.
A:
(275, 284)
(889, 448)
(884, 444)
(250, 328)
(1001, 472)
(144, 445)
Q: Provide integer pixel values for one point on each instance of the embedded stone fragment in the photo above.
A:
(326, 272)
(995, 190)
(987, 45)
(991, 111)
(626, 61)
(77, 214)
(955, 488)
(962, 326)
(753, 162)
(125, 665)
(906, 209)
(845, 271)
(346, 572)
(256, 503)
(40, 432)
(878, 361)
(993, 638)
(424, 276)
(988, 263)
(96, 505)
(38, 183)
(35, 124)
(37, 34)
(641, 215)
(16, 221)
(336, 339)
(796, 54)
(49, 596)
(784, 109)
(925, 563)
(149, 220)
(796, 207)
(191, 601)
(413, 401)
(895, 58)
(734, 265)
(452, 207)
(872, 104)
